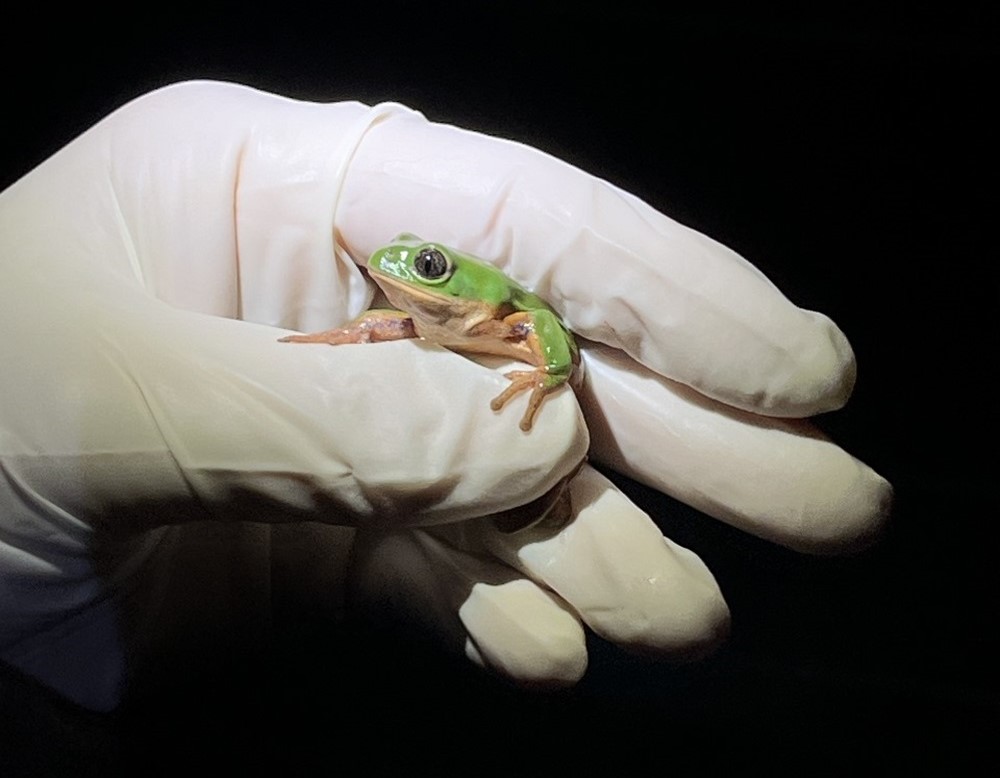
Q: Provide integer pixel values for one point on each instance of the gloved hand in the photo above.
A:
(159, 446)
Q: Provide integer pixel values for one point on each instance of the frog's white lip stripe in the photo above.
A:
(412, 290)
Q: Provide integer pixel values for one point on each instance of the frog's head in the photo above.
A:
(418, 267)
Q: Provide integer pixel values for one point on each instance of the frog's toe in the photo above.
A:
(534, 403)
(522, 381)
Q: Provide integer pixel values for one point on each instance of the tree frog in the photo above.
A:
(460, 302)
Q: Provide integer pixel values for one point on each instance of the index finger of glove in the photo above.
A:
(620, 272)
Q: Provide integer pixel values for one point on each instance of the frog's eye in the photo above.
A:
(432, 265)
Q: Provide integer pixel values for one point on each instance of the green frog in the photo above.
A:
(466, 305)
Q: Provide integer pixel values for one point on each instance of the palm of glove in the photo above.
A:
(144, 392)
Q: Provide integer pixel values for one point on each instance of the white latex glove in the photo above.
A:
(154, 433)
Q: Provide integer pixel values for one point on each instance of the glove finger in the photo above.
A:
(611, 564)
(160, 415)
(620, 272)
(467, 603)
(778, 479)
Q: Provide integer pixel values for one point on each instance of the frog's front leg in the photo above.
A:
(553, 353)
(370, 327)
(540, 383)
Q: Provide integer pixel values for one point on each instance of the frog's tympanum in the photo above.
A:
(466, 305)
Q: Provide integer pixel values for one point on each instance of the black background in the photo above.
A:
(852, 159)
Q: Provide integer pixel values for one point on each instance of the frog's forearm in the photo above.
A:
(370, 327)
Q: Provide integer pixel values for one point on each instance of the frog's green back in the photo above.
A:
(475, 278)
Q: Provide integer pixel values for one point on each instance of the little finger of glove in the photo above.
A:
(467, 603)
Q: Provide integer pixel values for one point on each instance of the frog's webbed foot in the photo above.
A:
(521, 381)
(369, 327)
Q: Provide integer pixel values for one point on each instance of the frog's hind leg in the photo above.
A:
(522, 381)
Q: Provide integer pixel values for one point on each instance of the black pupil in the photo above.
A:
(430, 263)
